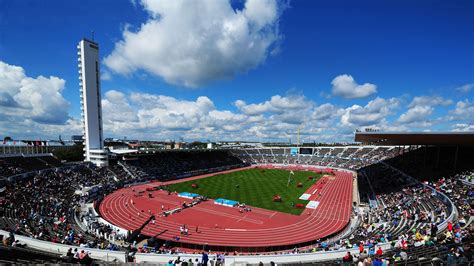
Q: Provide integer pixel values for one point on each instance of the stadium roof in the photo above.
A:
(416, 138)
(123, 151)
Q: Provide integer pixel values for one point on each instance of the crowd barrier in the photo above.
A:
(120, 256)
(61, 249)
(255, 259)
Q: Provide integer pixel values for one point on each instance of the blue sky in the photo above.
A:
(247, 70)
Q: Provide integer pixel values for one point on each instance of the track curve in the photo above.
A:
(227, 227)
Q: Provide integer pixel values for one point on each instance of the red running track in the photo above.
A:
(226, 226)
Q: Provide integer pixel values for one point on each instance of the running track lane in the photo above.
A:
(277, 229)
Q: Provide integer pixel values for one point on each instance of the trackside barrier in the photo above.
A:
(255, 259)
(101, 220)
(120, 256)
(61, 249)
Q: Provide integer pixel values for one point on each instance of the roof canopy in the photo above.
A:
(416, 138)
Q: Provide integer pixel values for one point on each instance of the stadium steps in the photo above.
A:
(27, 256)
(397, 230)
(468, 222)
(10, 222)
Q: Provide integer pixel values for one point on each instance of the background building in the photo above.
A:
(89, 82)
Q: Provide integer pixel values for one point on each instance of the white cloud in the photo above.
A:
(278, 118)
(192, 43)
(277, 104)
(429, 101)
(10, 77)
(326, 111)
(36, 107)
(421, 108)
(253, 109)
(170, 113)
(346, 87)
(39, 99)
(116, 109)
(157, 116)
(152, 116)
(371, 114)
(416, 114)
(464, 111)
(27, 128)
(463, 127)
(105, 75)
(465, 88)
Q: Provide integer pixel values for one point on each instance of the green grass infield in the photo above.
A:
(255, 187)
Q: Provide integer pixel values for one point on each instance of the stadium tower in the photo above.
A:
(89, 82)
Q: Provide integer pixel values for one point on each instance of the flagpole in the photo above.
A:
(289, 175)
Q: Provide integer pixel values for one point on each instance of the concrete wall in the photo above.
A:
(60, 249)
(243, 260)
(120, 256)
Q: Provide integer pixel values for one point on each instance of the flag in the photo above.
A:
(289, 177)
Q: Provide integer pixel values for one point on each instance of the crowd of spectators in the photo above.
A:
(177, 164)
(58, 193)
(459, 190)
(44, 206)
(404, 213)
(128, 171)
(343, 157)
(8, 169)
(17, 165)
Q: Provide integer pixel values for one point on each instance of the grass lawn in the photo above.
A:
(256, 187)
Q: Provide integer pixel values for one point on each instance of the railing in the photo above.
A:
(350, 228)
(126, 170)
(120, 256)
(252, 259)
(451, 207)
(61, 249)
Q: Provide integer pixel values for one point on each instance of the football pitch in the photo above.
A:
(255, 187)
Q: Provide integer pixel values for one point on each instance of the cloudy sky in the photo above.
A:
(255, 70)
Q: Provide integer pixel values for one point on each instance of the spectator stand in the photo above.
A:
(451, 207)
(91, 221)
(61, 249)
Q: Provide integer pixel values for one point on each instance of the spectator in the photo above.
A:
(204, 259)
(348, 258)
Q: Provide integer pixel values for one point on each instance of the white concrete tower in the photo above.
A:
(91, 107)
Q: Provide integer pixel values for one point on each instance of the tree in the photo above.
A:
(71, 154)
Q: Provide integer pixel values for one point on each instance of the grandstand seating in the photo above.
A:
(403, 211)
(16, 255)
(169, 165)
(349, 157)
(20, 164)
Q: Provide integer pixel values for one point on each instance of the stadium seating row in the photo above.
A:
(402, 212)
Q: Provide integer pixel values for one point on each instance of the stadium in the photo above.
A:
(264, 204)
(236, 132)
